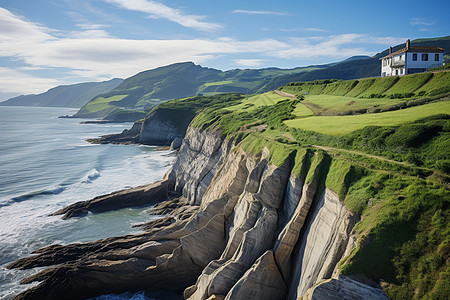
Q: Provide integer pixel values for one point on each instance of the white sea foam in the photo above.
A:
(92, 175)
(46, 173)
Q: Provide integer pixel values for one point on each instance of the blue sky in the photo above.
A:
(45, 43)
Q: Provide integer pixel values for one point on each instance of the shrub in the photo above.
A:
(412, 135)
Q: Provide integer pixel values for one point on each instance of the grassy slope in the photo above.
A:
(258, 100)
(74, 95)
(394, 175)
(367, 95)
(101, 103)
(341, 125)
(147, 89)
(331, 104)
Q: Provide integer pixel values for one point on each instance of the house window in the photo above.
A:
(401, 71)
(414, 56)
(425, 57)
(396, 72)
(436, 57)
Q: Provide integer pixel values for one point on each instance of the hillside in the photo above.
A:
(149, 88)
(270, 198)
(74, 95)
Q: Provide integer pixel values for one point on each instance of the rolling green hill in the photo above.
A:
(147, 89)
(74, 95)
(347, 97)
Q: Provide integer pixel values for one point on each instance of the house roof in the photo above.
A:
(415, 49)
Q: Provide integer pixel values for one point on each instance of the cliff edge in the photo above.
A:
(258, 230)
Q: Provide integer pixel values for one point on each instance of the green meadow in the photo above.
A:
(266, 99)
(101, 103)
(331, 104)
(341, 125)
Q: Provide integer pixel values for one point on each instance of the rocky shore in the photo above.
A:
(236, 226)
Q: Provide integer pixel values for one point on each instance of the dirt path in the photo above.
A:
(283, 94)
(364, 154)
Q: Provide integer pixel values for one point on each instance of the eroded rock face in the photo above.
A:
(344, 287)
(243, 228)
(322, 245)
(157, 130)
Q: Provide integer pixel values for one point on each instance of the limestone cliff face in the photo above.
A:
(157, 130)
(283, 236)
(254, 230)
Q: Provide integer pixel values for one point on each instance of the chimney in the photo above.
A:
(390, 50)
(408, 43)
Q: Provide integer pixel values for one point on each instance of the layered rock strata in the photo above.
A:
(155, 129)
(242, 228)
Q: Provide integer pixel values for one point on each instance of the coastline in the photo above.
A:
(46, 165)
(210, 186)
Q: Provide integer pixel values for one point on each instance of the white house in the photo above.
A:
(410, 60)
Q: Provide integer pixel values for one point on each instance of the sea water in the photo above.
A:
(45, 165)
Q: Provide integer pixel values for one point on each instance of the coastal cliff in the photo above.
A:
(243, 227)
(254, 208)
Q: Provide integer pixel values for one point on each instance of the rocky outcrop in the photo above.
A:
(344, 287)
(138, 196)
(159, 130)
(161, 127)
(127, 136)
(242, 228)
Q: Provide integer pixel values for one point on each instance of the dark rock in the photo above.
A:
(176, 143)
(138, 196)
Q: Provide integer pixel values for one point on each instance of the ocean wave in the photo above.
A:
(52, 191)
(91, 176)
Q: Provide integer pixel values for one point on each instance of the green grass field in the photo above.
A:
(438, 82)
(409, 84)
(302, 111)
(330, 104)
(101, 103)
(379, 86)
(269, 98)
(340, 125)
(218, 83)
(363, 85)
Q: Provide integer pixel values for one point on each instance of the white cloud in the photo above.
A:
(334, 46)
(249, 62)
(18, 33)
(311, 29)
(93, 54)
(421, 21)
(16, 82)
(89, 34)
(259, 12)
(161, 11)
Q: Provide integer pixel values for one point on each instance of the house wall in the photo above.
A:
(409, 66)
(394, 65)
(419, 64)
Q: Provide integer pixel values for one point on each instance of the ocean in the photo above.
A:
(46, 164)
